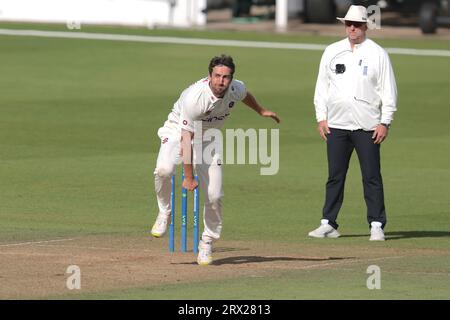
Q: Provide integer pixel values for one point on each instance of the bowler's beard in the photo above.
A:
(219, 91)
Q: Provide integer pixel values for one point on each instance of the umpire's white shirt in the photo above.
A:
(198, 103)
(361, 97)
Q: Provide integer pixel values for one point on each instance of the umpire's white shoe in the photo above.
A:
(376, 232)
(160, 226)
(324, 231)
(204, 257)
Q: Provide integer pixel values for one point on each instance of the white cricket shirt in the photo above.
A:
(198, 103)
(361, 97)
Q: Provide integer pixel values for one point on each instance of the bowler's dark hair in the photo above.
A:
(222, 60)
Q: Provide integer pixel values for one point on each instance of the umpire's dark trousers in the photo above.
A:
(340, 145)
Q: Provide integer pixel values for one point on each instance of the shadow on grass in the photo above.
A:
(396, 235)
(229, 249)
(259, 259)
(416, 234)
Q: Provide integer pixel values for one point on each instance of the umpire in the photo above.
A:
(355, 100)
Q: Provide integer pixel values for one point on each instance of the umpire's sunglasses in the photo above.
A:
(356, 24)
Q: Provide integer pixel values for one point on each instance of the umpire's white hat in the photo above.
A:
(355, 13)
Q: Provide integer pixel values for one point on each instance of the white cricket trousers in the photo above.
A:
(210, 180)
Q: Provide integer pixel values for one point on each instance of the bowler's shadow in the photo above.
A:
(397, 235)
(260, 259)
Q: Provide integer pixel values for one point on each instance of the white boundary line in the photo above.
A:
(204, 42)
(33, 242)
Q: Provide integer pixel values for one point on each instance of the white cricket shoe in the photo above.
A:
(376, 232)
(324, 231)
(204, 257)
(160, 226)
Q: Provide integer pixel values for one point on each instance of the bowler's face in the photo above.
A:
(356, 31)
(219, 80)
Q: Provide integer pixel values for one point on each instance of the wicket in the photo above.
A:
(184, 222)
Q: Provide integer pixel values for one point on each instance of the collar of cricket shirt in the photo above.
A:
(357, 45)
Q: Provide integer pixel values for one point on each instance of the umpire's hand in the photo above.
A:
(323, 129)
(380, 134)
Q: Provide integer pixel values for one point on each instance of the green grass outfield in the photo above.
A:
(78, 147)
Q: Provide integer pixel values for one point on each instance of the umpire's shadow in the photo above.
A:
(397, 235)
(260, 259)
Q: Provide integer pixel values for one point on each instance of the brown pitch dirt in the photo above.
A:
(38, 269)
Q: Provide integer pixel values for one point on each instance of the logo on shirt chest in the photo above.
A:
(219, 111)
(216, 118)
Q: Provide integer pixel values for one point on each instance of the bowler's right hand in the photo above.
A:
(322, 126)
(190, 183)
